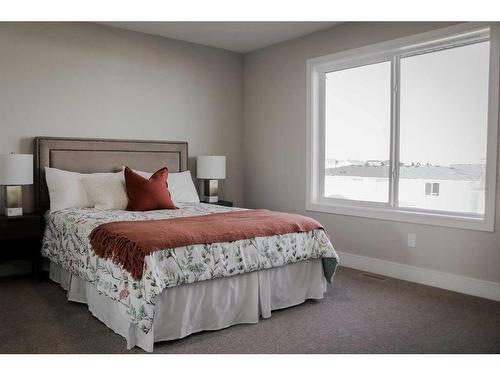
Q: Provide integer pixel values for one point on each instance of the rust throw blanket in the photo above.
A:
(128, 242)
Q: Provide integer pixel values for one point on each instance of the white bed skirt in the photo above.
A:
(207, 305)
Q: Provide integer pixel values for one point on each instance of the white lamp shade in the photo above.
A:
(16, 169)
(211, 167)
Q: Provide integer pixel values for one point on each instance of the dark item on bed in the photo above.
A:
(127, 243)
(146, 195)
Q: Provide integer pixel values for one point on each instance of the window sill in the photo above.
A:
(407, 216)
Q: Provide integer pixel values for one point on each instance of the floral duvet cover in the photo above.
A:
(66, 243)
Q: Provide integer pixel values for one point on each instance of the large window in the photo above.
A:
(405, 132)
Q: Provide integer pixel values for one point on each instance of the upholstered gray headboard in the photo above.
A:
(102, 155)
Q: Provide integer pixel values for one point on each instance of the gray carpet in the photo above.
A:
(358, 315)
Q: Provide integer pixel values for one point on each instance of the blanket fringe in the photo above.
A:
(119, 249)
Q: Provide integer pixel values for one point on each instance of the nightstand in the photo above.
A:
(222, 203)
(20, 238)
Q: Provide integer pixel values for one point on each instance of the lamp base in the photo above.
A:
(13, 201)
(211, 191)
(16, 211)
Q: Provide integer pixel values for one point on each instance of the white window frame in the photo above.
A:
(392, 51)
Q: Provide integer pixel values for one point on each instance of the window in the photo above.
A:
(431, 188)
(386, 119)
(443, 125)
(358, 105)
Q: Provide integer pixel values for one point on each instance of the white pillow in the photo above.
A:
(66, 189)
(180, 185)
(106, 191)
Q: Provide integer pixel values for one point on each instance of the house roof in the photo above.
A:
(461, 172)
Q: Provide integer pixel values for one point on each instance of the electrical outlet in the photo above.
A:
(412, 240)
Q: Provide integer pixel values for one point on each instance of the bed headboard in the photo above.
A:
(102, 155)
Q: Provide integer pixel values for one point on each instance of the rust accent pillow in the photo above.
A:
(144, 194)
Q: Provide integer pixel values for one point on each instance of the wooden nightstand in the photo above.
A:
(20, 238)
(222, 203)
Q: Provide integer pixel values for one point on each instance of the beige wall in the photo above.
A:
(88, 80)
(275, 158)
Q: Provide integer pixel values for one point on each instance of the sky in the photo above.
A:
(443, 118)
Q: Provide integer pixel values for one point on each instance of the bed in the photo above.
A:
(182, 290)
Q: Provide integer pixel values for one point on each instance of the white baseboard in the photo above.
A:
(456, 283)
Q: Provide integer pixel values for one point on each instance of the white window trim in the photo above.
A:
(316, 68)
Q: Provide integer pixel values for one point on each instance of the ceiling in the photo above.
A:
(234, 36)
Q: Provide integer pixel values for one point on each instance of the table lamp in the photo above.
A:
(15, 170)
(211, 169)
